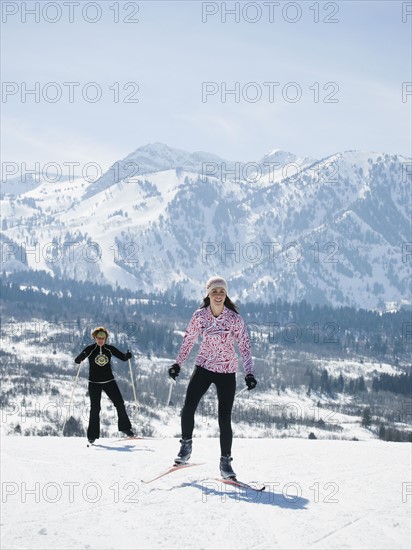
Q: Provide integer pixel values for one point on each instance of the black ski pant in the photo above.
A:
(225, 386)
(113, 393)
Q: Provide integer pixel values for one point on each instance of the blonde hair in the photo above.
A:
(100, 329)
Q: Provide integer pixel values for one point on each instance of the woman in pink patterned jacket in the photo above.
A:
(220, 325)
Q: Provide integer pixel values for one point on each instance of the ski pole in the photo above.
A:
(71, 398)
(133, 386)
(172, 383)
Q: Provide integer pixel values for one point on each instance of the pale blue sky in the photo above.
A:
(170, 52)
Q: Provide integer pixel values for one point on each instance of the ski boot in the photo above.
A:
(128, 433)
(185, 451)
(226, 470)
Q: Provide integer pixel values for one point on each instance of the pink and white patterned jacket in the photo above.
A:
(217, 351)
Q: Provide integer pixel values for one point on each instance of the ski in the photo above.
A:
(135, 437)
(173, 468)
(236, 483)
(125, 439)
(97, 443)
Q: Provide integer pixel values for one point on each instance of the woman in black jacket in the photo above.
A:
(101, 378)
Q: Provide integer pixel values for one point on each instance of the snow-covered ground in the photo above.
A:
(57, 493)
(353, 369)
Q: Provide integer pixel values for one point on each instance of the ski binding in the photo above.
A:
(241, 484)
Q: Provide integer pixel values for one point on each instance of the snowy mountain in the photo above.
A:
(19, 185)
(334, 231)
(149, 159)
(57, 493)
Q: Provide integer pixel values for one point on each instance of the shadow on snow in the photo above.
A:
(267, 497)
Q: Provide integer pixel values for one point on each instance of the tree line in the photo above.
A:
(153, 318)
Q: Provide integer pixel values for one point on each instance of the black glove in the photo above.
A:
(128, 355)
(80, 357)
(174, 371)
(250, 381)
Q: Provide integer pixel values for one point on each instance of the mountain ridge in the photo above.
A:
(332, 231)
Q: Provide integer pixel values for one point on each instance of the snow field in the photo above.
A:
(58, 493)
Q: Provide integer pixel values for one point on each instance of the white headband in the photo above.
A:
(215, 282)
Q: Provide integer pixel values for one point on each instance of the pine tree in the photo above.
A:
(74, 428)
(366, 417)
(340, 384)
(324, 382)
(360, 384)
